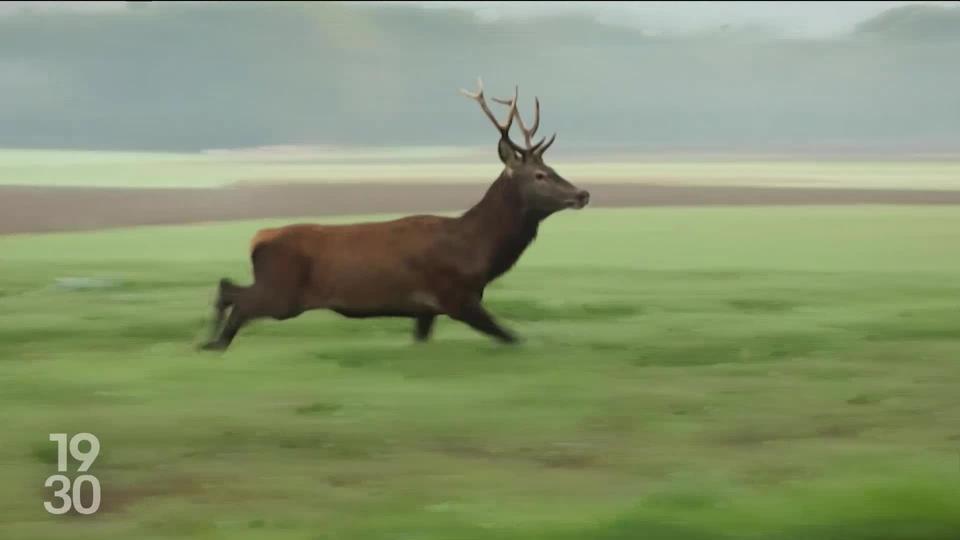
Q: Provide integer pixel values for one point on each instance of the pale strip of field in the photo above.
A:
(453, 165)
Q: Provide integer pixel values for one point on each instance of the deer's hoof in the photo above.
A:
(214, 346)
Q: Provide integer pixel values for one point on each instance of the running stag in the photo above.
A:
(419, 266)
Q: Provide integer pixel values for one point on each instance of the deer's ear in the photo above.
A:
(507, 154)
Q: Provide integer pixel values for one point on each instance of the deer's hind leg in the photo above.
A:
(243, 310)
(278, 278)
(227, 294)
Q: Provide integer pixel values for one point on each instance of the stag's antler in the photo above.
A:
(528, 134)
(479, 98)
(531, 149)
(504, 128)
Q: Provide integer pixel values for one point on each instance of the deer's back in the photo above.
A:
(403, 265)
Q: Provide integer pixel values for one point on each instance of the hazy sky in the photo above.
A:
(807, 19)
(810, 19)
(234, 75)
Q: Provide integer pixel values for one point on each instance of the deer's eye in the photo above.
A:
(540, 175)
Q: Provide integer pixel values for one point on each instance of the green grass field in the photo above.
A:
(724, 373)
(452, 164)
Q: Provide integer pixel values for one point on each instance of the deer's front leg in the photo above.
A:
(424, 327)
(475, 315)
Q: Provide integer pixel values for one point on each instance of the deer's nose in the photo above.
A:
(583, 197)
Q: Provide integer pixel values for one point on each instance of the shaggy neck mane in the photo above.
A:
(504, 228)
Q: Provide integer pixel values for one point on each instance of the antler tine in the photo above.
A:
(536, 116)
(474, 95)
(543, 149)
(516, 94)
(527, 133)
(512, 103)
(479, 98)
(539, 143)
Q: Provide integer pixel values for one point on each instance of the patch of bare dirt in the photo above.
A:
(26, 209)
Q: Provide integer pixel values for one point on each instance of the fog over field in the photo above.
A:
(725, 76)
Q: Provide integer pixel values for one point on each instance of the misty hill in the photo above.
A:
(195, 76)
(917, 22)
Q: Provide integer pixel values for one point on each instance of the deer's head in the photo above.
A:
(541, 189)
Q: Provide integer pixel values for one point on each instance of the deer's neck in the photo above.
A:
(500, 227)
